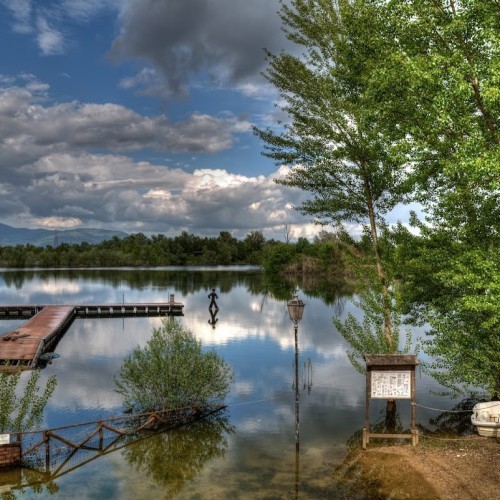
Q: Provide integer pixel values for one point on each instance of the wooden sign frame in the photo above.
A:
(390, 376)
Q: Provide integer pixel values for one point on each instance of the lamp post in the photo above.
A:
(295, 308)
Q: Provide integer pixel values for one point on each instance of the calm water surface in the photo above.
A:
(254, 454)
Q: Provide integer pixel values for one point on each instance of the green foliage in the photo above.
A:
(440, 98)
(438, 87)
(278, 256)
(253, 245)
(25, 412)
(336, 141)
(340, 152)
(171, 371)
(368, 337)
(395, 99)
(455, 289)
(139, 250)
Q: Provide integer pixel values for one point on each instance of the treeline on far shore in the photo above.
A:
(322, 255)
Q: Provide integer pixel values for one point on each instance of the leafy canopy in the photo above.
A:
(336, 140)
(441, 104)
(333, 139)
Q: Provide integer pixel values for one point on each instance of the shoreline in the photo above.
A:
(437, 468)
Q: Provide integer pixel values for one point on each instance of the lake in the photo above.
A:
(253, 454)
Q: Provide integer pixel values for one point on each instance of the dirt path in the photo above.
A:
(436, 469)
(461, 469)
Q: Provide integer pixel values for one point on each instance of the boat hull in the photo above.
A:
(486, 418)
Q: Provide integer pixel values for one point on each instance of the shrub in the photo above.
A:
(172, 371)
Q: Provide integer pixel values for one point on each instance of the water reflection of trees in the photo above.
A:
(174, 458)
(331, 291)
(171, 459)
(15, 481)
(188, 281)
(185, 281)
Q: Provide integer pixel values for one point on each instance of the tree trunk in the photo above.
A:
(380, 271)
(390, 416)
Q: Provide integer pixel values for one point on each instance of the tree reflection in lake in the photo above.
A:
(174, 458)
(17, 481)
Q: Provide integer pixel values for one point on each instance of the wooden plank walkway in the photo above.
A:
(23, 346)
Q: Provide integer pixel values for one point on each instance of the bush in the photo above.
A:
(278, 256)
(24, 412)
(172, 371)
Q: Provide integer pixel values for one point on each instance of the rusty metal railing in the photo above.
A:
(54, 451)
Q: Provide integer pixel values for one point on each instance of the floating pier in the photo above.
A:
(22, 347)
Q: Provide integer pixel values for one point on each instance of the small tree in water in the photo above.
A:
(171, 371)
(25, 412)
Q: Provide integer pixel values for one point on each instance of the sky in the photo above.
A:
(137, 116)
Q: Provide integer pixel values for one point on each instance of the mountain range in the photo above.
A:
(10, 236)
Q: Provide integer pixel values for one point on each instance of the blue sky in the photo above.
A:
(137, 115)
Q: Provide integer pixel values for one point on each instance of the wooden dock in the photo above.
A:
(22, 347)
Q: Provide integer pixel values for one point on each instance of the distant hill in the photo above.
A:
(10, 236)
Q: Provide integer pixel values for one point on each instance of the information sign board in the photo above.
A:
(391, 384)
(4, 438)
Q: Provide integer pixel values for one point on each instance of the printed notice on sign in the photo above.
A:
(391, 384)
(4, 438)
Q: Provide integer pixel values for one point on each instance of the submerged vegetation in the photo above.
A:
(172, 371)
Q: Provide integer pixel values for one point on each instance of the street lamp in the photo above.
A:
(295, 308)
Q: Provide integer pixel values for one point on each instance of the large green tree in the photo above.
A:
(397, 95)
(334, 139)
(440, 99)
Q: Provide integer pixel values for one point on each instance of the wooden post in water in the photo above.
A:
(100, 435)
(46, 438)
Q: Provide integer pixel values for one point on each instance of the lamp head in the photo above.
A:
(295, 308)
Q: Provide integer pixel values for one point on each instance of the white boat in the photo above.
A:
(486, 417)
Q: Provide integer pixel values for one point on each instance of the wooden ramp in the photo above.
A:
(22, 347)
